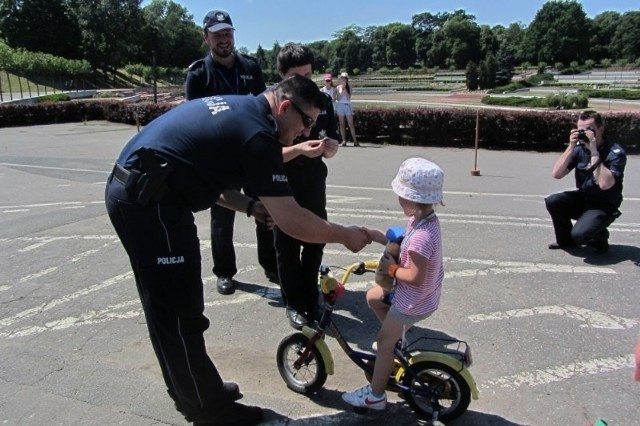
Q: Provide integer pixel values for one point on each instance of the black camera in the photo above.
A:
(582, 134)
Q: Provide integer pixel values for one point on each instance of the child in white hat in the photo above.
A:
(417, 276)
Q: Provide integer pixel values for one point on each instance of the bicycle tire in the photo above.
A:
(311, 376)
(453, 392)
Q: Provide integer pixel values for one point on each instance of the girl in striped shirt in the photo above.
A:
(417, 276)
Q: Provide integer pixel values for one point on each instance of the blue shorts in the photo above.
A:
(343, 109)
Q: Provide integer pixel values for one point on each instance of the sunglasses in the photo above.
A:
(307, 121)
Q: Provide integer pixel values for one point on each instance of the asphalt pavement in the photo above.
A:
(552, 332)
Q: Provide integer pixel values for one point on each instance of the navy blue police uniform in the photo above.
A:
(206, 78)
(175, 166)
(299, 261)
(592, 208)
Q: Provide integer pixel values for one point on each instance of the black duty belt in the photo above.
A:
(149, 183)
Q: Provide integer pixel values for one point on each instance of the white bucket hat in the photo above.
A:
(419, 180)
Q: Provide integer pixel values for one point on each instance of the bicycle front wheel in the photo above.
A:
(311, 375)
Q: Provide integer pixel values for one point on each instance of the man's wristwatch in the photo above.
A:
(250, 207)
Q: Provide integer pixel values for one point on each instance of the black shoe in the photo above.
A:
(272, 276)
(232, 391)
(556, 246)
(601, 247)
(296, 320)
(225, 285)
(233, 414)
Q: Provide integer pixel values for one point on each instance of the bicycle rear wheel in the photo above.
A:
(311, 375)
(451, 390)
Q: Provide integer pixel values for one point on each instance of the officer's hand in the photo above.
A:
(356, 238)
(330, 147)
(262, 215)
(593, 144)
(312, 148)
(385, 261)
(573, 138)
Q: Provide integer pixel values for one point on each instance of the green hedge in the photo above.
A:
(442, 127)
(499, 129)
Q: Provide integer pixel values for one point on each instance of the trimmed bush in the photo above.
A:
(543, 131)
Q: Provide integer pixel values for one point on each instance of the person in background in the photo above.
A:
(299, 261)
(179, 164)
(328, 88)
(599, 170)
(342, 96)
(226, 72)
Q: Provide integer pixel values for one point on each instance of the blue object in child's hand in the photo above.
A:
(395, 234)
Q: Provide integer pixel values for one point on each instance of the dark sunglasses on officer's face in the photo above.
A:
(307, 121)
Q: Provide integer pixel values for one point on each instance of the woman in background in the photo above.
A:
(342, 95)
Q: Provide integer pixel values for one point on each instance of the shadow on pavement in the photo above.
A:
(617, 253)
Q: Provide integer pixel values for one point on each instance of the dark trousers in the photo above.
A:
(163, 247)
(298, 261)
(224, 254)
(591, 221)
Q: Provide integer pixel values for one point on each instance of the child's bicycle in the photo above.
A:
(437, 385)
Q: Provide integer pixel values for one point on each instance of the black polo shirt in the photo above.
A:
(214, 144)
(614, 158)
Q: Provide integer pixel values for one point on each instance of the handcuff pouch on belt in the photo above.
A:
(148, 183)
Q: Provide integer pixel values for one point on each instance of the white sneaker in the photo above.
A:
(363, 397)
(374, 347)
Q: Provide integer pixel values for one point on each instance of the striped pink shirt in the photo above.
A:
(425, 240)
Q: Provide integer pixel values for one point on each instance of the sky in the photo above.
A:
(263, 22)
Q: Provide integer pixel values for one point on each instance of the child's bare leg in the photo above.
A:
(374, 300)
(389, 334)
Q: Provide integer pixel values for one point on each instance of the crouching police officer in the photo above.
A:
(177, 165)
(599, 171)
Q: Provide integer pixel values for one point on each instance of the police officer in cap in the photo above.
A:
(226, 72)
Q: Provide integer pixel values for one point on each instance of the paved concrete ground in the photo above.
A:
(552, 332)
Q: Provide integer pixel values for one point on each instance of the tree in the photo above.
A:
(40, 26)
(110, 30)
(376, 40)
(400, 46)
(261, 57)
(169, 31)
(488, 41)
(347, 47)
(514, 36)
(626, 41)
(560, 32)
(487, 73)
(471, 76)
(504, 65)
(462, 37)
(604, 29)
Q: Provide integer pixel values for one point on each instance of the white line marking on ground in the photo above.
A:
(87, 318)
(4, 322)
(37, 274)
(592, 319)
(490, 194)
(560, 373)
(31, 166)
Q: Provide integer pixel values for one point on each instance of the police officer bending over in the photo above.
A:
(177, 165)
(599, 171)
